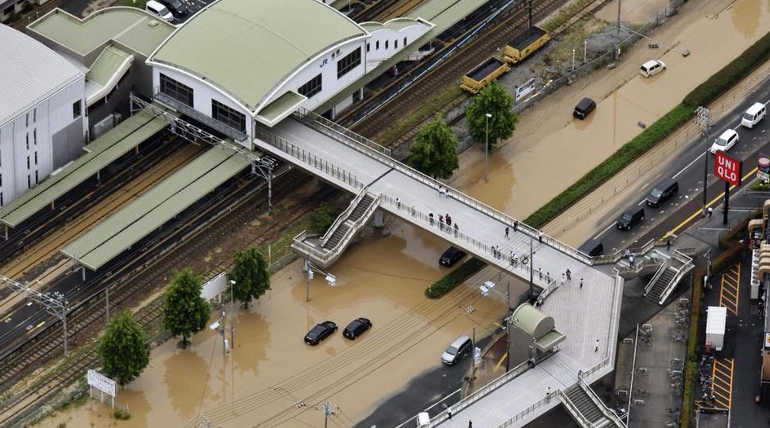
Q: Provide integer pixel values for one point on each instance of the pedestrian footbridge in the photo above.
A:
(587, 306)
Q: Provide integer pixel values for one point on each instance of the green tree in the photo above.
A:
(184, 311)
(123, 349)
(434, 151)
(251, 275)
(322, 218)
(495, 101)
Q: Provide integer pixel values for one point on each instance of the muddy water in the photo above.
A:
(271, 368)
(556, 150)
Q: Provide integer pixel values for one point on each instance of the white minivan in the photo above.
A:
(652, 67)
(159, 10)
(725, 141)
(753, 115)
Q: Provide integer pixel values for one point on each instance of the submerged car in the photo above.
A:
(451, 256)
(320, 332)
(356, 328)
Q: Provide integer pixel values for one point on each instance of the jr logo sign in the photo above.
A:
(727, 168)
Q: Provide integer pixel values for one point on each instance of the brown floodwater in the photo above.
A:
(271, 369)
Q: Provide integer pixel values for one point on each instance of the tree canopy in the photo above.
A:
(251, 275)
(123, 349)
(322, 218)
(185, 312)
(434, 151)
(493, 100)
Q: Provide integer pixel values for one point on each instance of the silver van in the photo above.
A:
(753, 115)
(652, 67)
(457, 350)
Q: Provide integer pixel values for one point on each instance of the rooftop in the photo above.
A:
(35, 70)
(130, 27)
(247, 47)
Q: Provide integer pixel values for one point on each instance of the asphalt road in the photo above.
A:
(687, 169)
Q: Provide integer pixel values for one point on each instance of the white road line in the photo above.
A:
(641, 202)
(688, 165)
(605, 230)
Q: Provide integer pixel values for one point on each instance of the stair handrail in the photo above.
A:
(606, 411)
(658, 273)
(572, 408)
(343, 216)
(687, 267)
(299, 243)
(356, 226)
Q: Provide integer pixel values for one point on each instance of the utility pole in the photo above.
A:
(703, 118)
(529, 3)
(617, 28)
(308, 277)
(327, 409)
(531, 268)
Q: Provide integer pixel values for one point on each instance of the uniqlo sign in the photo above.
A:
(727, 168)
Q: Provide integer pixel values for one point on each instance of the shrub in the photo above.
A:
(454, 278)
(737, 232)
(121, 414)
(322, 218)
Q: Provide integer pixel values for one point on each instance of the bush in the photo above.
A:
(730, 74)
(121, 414)
(760, 185)
(454, 278)
(616, 162)
(322, 218)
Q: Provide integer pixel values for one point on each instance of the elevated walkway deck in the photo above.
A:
(100, 153)
(589, 313)
(160, 204)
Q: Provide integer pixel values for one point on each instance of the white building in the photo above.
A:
(239, 63)
(42, 113)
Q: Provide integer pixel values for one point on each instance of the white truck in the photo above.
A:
(716, 319)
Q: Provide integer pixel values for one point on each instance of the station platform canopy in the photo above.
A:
(100, 153)
(155, 207)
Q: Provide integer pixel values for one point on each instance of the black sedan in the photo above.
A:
(356, 328)
(320, 332)
(451, 256)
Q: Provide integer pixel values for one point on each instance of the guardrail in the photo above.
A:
(342, 217)
(573, 409)
(606, 411)
(655, 277)
(687, 267)
(323, 123)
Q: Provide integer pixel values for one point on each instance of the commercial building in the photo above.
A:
(42, 113)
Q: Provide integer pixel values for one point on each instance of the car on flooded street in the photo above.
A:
(356, 328)
(451, 256)
(320, 332)
(457, 350)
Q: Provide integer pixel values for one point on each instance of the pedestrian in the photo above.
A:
(631, 260)
(515, 259)
(430, 217)
(596, 348)
(581, 282)
(563, 278)
(448, 219)
(456, 228)
(398, 202)
(540, 236)
(668, 244)
(548, 277)
(540, 272)
(569, 275)
(439, 191)
(506, 232)
(470, 424)
(710, 211)
(444, 192)
(449, 413)
(515, 225)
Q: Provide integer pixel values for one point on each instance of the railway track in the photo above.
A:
(238, 213)
(373, 10)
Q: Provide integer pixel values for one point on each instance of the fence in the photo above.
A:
(318, 121)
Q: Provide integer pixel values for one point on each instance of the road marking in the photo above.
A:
(605, 230)
(699, 210)
(722, 381)
(500, 361)
(730, 288)
(688, 165)
(641, 202)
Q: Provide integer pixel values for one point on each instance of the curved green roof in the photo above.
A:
(247, 47)
(528, 318)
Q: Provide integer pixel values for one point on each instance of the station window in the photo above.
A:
(349, 62)
(27, 161)
(387, 43)
(29, 181)
(35, 158)
(26, 122)
(36, 178)
(228, 116)
(377, 45)
(34, 136)
(27, 140)
(76, 109)
(404, 41)
(34, 115)
(1, 199)
(8, 10)
(176, 90)
(312, 87)
(367, 47)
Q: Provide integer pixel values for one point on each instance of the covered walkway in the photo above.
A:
(157, 206)
(100, 153)
(587, 307)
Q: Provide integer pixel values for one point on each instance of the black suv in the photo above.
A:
(583, 108)
(630, 218)
(320, 332)
(177, 8)
(356, 328)
(662, 192)
(451, 256)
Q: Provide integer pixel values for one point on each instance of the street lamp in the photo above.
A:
(487, 116)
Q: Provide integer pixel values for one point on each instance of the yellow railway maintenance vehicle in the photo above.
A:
(524, 44)
(483, 74)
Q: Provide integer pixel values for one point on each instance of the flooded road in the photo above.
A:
(271, 369)
(549, 150)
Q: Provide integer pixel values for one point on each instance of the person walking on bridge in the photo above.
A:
(506, 232)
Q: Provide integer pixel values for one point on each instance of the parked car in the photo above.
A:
(652, 67)
(159, 10)
(320, 332)
(356, 328)
(662, 192)
(457, 350)
(177, 8)
(451, 256)
(753, 115)
(584, 108)
(725, 141)
(631, 218)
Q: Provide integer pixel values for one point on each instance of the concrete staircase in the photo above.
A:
(325, 250)
(587, 408)
(666, 278)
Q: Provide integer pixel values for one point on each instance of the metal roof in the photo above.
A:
(529, 319)
(248, 47)
(105, 73)
(30, 72)
(105, 149)
(131, 27)
(281, 107)
(155, 207)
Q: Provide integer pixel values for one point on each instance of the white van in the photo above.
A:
(753, 115)
(159, 10)
(652, 67)
(725, 141)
